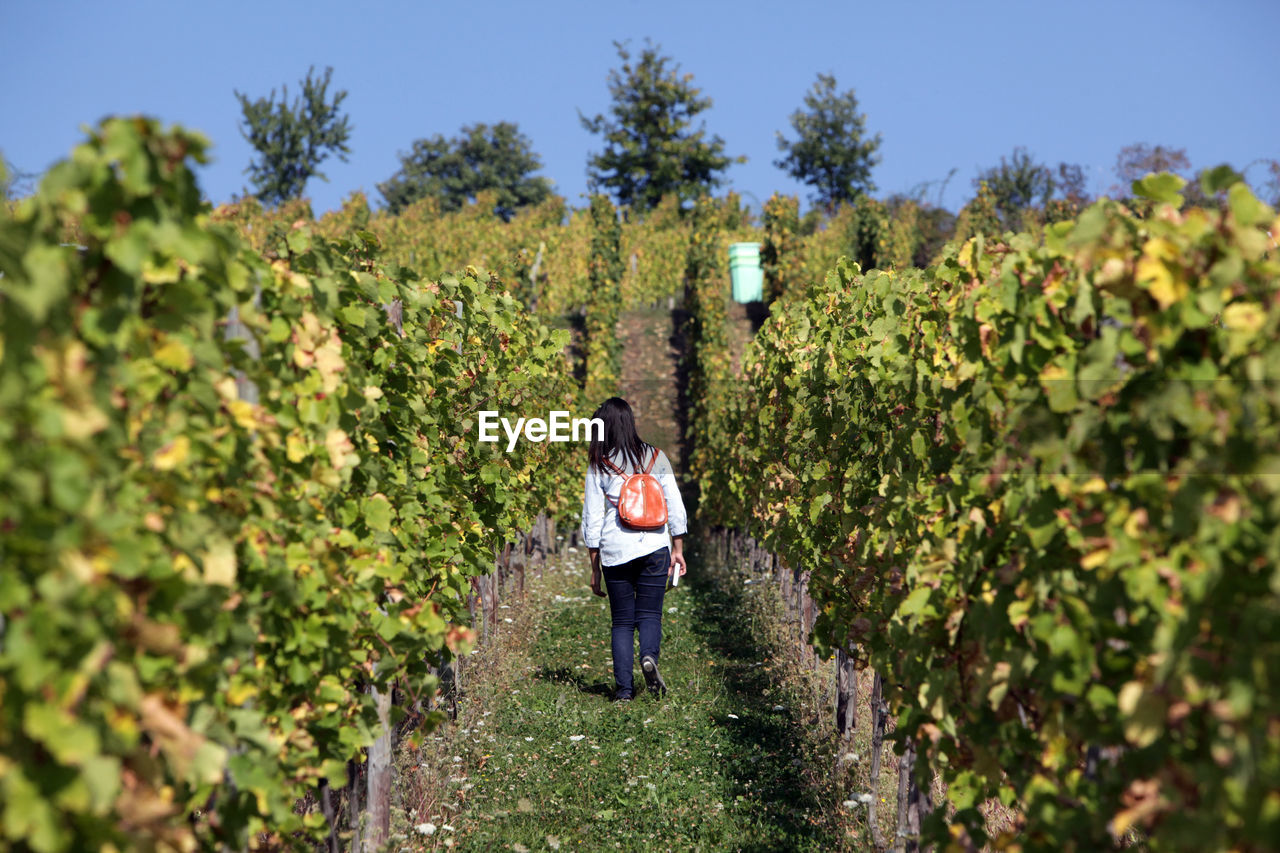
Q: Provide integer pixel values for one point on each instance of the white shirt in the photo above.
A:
(600, 528)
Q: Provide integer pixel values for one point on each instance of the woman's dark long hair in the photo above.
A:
(619, 434)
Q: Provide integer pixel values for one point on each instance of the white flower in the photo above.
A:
(576, 737)
(733, 716)
(426, 828)
(509, 620)
(672, 609)
(528, 740)
(457, 759)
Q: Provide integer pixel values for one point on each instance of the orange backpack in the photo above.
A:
(640, 504)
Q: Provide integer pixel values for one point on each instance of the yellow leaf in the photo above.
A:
(243, 412)
(329, 362)
(1052, 372)
(1155, 273)
(166, 273)
(1144, 713)
(1095, 559)
(1111, 271)
(372, 392)
(174, 355)
(226, 388)
(288, 276)
(172, 454)
(1093, 486)
(82, 423)
(1243, 317)
(182, 565)
(338, 445)
(306, 335)
(295, 447)
(78, 565)
(220, 564)
(238, 694)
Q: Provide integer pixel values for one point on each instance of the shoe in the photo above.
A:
(622, 697)
(651, 675)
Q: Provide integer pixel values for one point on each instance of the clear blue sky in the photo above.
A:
(948, 84)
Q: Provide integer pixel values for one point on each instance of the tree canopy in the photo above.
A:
(1021, 183)
(1017, 183)
(293, 139)
(1135, 161)
(651, 147)
(832, 151)
(498, 158)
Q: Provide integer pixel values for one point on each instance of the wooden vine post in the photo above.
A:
(846, 694)
(379, 776)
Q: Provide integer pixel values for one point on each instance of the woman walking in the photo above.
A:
(634, 563)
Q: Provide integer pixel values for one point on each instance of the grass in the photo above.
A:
(540, 759)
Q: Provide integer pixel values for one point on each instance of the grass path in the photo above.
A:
(720, 763)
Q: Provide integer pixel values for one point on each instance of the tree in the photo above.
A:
(1136, 161)
(1017, 183)
(831, 152)
(292, 140)
(498, 158)
(650, 146)
(1070, 185)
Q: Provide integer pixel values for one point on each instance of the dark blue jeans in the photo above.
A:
(636, 589)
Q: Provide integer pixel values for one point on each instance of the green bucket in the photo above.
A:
(745, 273)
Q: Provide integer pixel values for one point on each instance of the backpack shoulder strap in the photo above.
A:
(614, 468)
(654, 459)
